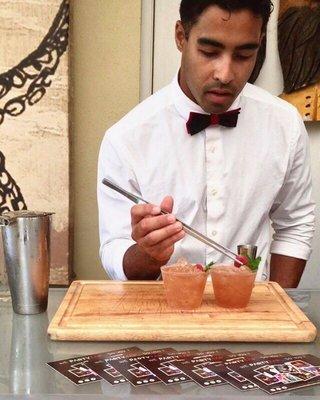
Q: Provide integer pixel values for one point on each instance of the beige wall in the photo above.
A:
(105, 61)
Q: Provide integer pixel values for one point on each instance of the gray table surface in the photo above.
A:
(25, 349)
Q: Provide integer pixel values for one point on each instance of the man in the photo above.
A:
(225, 181)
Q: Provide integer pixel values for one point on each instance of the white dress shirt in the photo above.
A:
(228, 183)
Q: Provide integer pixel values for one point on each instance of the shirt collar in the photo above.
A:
(184, 105)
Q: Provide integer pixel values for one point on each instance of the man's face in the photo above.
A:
(218, 57)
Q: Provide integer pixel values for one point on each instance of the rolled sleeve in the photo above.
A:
(114, 209)
(290, 249)
(293, 212)
(111, 255)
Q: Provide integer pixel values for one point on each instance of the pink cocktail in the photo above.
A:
(232, 286)
(183, 285)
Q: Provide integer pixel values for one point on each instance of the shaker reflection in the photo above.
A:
(28, 370)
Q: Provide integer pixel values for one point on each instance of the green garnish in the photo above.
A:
(253, 263)
(208, 266)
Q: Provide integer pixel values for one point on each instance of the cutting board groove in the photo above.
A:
(137, 311)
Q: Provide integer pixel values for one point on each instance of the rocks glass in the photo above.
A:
(184, 286)
(232, 286)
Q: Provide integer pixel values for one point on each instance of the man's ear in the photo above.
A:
(180, 35)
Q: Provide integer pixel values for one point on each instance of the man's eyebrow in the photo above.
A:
(248, 46)
(211, 42)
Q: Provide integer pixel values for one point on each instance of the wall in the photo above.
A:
(105, 59)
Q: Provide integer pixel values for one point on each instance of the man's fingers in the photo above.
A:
(156, 236)
(164, 250)
(167, 204)
(150, 224)
(141, 211)
(161, 247)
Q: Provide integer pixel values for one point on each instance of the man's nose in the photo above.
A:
(224, 70)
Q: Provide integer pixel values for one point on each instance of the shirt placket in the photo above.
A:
(214, 172)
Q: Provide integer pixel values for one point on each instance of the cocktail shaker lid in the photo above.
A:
(12, 216)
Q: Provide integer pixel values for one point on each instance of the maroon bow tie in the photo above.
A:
(198, 122)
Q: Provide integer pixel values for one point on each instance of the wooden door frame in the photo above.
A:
(147, 48)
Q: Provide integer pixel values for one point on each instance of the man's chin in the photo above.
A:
(215, 108)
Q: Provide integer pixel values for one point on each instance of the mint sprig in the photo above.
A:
(253, 263)
(208, 266)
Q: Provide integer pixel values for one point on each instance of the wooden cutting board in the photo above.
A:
(137, 311)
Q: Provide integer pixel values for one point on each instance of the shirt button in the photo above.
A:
(214, 233)
(214, 192)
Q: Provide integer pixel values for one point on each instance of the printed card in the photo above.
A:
(77, 371)
(282, 374)
(162, 366)
(133, 369)
(196, 367)
(109, 373)
(234, 378)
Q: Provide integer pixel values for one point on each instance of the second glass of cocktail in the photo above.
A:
(232, 285)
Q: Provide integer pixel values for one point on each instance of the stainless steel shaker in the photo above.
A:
(247, 250)
(26, 247)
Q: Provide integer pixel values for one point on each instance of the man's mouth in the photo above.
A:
(220, 92)
(219, 96)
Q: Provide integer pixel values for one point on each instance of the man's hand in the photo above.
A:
(155, 235)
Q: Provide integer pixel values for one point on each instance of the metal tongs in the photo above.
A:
(190, 231)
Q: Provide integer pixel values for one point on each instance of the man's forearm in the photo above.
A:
(138, 265)
(287, 271)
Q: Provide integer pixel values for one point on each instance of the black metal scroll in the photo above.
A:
(10, 194)
(33, 73)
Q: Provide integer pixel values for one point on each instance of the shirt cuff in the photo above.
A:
(112, 258)
(290, 250)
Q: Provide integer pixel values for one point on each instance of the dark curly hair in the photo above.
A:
(190, 10)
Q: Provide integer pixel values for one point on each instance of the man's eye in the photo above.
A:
(243, 57)
(208, 54)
